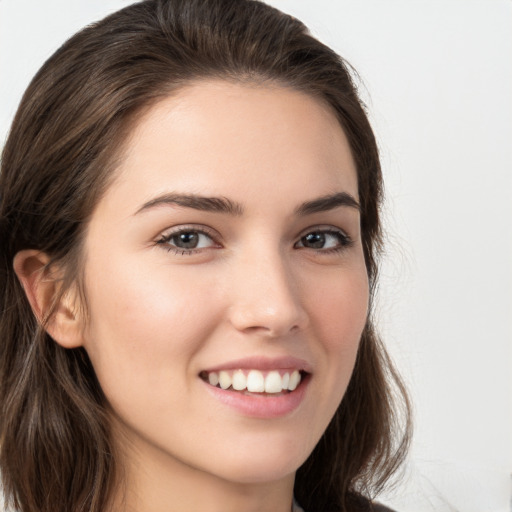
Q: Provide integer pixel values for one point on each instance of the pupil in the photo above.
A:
(314, 240)
(187, 240)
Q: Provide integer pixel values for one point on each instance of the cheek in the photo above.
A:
(142, 318)
(339, 310)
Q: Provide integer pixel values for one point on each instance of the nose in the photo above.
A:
(266, 296)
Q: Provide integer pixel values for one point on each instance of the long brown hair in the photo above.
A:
(56, 449)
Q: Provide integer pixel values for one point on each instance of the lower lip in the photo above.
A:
(257, 406)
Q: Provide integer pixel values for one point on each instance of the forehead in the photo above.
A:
(222, 138)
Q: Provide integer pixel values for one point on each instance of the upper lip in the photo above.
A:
(263, 363)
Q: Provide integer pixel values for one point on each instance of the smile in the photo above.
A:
(254, 381)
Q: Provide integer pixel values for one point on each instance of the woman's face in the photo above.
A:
(228, 249)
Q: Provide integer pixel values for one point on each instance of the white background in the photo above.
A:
(437, 77)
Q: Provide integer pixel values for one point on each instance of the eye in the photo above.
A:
(324, 240)
(187, 240)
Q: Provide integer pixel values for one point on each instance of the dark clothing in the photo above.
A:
(381, 508)
(365, 505)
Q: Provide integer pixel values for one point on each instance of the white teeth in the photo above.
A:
(224, 380)
(294, 380)
(239, 380)
(273, 383)
(255, 381)
(213, 378)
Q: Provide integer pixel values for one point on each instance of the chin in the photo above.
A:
(264, 463)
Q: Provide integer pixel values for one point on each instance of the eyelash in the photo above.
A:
(165, 239)
(343, 239)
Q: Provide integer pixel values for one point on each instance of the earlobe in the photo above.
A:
(56, 312)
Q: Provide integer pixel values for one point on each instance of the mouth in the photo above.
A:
(255, 382)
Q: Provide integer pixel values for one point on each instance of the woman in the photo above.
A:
(190, 228)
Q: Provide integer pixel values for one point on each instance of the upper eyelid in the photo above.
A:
(168, 233)
(326, 228)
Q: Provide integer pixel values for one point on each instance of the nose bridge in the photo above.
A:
(267, 297)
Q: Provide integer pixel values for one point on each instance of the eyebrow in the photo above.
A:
(197, 202)
(225, 205)
(326, 203)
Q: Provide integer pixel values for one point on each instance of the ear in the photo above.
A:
(42, 286)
